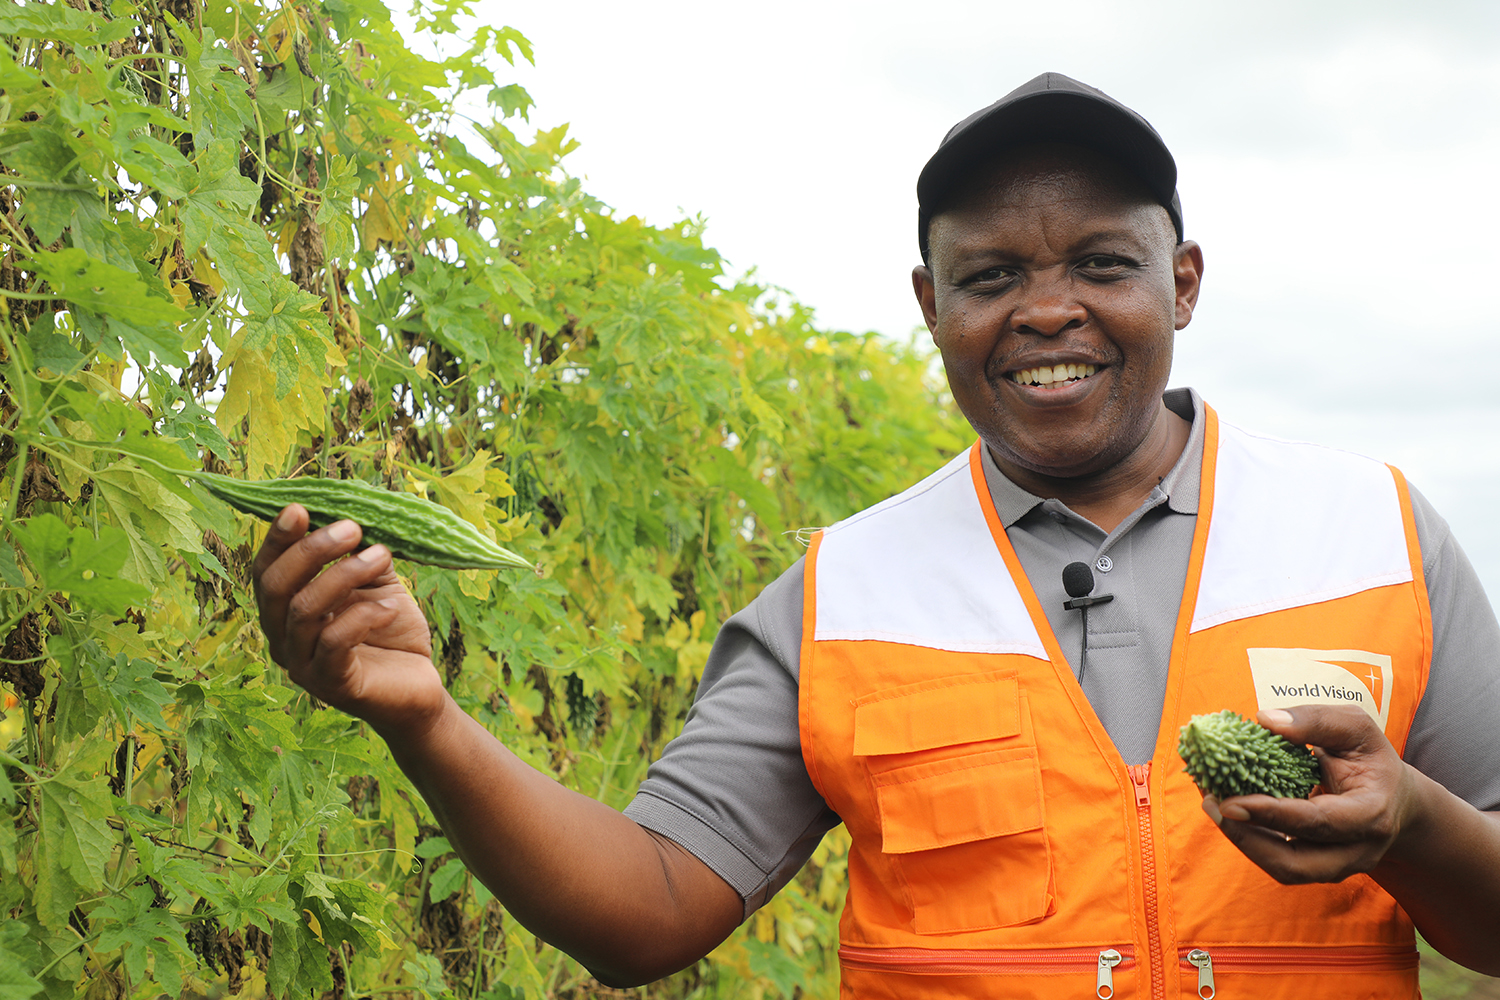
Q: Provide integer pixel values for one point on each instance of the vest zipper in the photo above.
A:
(1204, 963)
(1273, 959)
(988, 962)
(1140, 775)
(1104, 983)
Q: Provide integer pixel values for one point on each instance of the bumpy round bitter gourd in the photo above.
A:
(1227, 754)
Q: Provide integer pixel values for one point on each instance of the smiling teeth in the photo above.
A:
(1053, 375)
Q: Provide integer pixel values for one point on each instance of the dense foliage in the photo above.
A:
(248, 239)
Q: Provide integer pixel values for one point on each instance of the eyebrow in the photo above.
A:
(1122, 240)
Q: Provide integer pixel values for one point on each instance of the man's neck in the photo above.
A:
(1109, 496)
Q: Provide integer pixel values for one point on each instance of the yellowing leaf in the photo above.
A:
(272, 423)
(463, 490)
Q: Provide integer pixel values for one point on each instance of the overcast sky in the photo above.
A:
(1339, 163)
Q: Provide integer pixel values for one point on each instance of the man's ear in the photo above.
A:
(1187, 274)
(922, 284)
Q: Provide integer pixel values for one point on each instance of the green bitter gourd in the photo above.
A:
(1227, 755)
(411, 527)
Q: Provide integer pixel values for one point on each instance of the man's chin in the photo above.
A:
(1069, 463)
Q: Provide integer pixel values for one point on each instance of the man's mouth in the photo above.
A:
(1052, 375)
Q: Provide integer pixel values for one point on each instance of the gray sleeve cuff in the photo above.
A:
(700, 839)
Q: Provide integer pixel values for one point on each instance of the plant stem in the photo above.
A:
(33, 742)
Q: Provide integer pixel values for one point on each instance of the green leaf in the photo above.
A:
(10, 572)
(14, 78)
(433, 847)
(299, 961)
(7, 789)
(219, 200)
(427, 976)
(7, 837)
(255, 899)
(15, 984)
(447, 880)
(150, 505)
(347, 909)
(220, 105)
(73, 843)
(511, 99)
(768, 961)
(78, 564)
(52, 350)
(454, 310)
(133, 690)
(148, 936)
(62, 23)
(122, 304)
(45, 158)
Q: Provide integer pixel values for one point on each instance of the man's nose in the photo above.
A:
(1047, 307)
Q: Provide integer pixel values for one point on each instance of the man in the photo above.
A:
(1021, 826)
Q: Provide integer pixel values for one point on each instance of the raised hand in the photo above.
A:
(345, 629)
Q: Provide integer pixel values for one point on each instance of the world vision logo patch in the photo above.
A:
(1285, 678)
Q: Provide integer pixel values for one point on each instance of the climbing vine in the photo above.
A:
(269, 239)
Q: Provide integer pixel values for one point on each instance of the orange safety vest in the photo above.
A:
(1000, 846)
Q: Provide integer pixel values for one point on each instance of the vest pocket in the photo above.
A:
(966, 836)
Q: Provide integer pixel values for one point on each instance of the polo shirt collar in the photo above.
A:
(1181, 484)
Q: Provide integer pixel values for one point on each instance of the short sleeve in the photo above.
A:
(1454, 739)
(733, 789)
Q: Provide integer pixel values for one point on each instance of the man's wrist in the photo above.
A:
(1419, 802)
(419, 729)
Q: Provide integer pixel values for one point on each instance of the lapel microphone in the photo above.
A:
(1078, 581)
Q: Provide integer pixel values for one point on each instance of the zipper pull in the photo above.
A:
(1104, 986)
(1140, 775)
(1205, 965)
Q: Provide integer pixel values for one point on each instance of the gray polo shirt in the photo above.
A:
(733, 788)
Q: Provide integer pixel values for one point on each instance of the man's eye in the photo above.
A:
(1103, 262)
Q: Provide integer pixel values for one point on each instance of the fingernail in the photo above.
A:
(343, 531)
(1211, 807)
(1239, 813)
(373, 554)
(284, 521)
(1278, 716)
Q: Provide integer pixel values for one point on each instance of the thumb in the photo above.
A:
(1337, 729)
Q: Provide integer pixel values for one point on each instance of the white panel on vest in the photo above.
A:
(1294, 525)
(922, 569)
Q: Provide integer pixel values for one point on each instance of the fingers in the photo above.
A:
(290, 559)
(290, 525)
(316, 604)
(329, 660)
(1303, 843)
(1297, 862)
(1357, 815)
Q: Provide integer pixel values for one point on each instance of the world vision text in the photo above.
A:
(1317, 691)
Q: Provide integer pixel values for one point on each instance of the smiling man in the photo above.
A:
(1021, 825)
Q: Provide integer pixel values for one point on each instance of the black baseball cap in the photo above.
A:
(1050, 108)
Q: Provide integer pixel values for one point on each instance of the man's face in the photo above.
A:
(1051, 258)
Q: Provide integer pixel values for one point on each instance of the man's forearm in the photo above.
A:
(1444, 870)
(629, 905)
